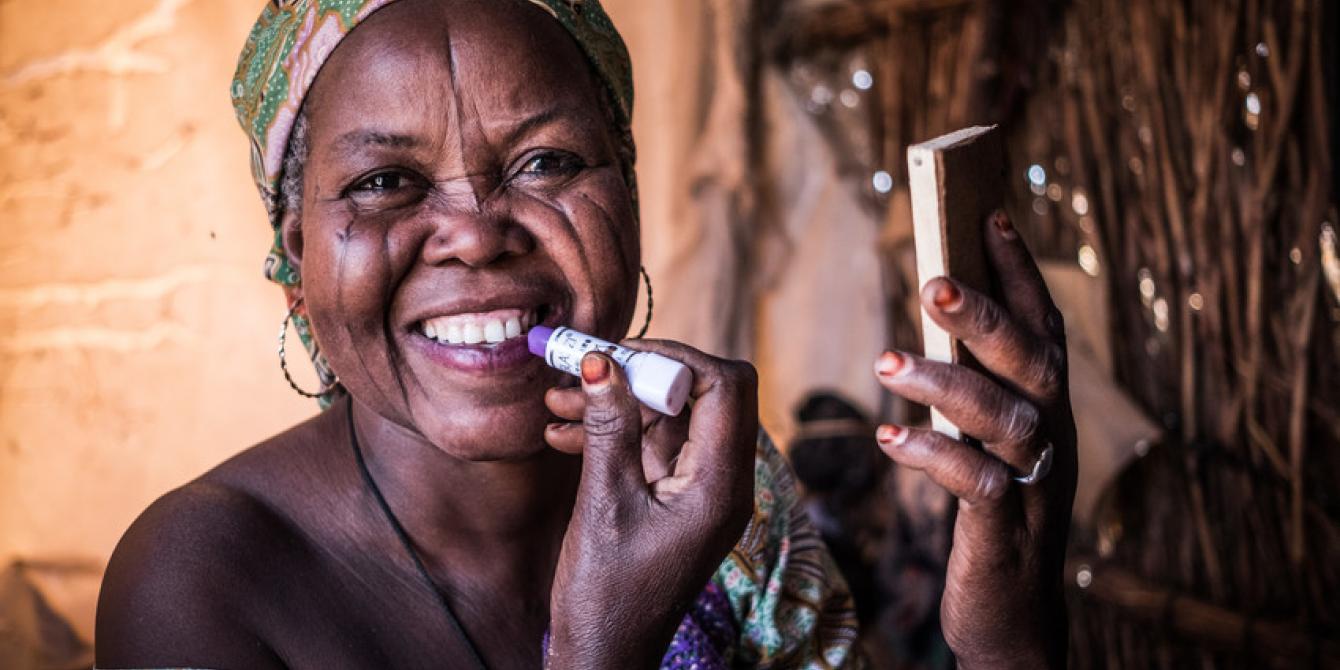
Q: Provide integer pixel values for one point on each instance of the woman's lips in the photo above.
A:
(504, 356)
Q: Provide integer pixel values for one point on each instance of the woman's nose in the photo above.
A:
(475, 237)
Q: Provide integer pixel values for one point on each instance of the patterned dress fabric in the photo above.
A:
(706, 635)
(786, 594)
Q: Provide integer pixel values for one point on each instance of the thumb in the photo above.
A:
(613, 424)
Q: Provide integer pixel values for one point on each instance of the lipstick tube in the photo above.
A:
(660, 383)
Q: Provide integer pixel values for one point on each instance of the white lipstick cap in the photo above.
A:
(660, 383)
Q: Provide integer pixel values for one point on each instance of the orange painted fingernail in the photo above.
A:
(595, 369)
(890, 434)
(947, 297)
(1003, 225)
(890, 364)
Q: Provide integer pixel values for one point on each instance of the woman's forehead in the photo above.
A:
(492, 63)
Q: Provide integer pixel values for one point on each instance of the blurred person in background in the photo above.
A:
(884, 527)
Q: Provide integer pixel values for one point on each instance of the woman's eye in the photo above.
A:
(383, 181)
(386, 190)
(551, 163)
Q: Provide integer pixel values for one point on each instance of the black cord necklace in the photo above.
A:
(409, 548)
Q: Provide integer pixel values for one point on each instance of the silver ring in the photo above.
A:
(1040, 468)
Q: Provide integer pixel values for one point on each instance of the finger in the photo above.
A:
(662, 439)
(1031, 363)
(1007, 425)
(723, 425)
(613, 426)
(662, 436)
(967, 473)
(569, 438)
(660, 444)
(1021, 283)
(568, 404)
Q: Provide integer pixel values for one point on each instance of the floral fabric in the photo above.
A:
(786, 593)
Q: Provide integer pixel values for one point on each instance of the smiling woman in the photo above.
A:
(443, 176)
(440, 187)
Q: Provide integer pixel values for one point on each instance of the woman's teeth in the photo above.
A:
(490, 328)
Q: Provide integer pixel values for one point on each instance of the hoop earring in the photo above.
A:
(283, 359)
(646, 278)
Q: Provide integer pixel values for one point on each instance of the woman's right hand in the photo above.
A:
(653, 519)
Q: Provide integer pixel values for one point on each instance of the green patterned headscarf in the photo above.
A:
(287, 47)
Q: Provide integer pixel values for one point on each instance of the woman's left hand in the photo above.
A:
(1003, 602)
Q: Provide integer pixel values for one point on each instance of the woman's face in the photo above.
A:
(462, 183)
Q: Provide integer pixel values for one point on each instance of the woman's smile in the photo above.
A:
(484, 336)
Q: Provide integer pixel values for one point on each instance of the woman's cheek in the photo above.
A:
(347, 276)
(605, 226)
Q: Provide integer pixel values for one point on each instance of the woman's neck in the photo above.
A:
(507, 516)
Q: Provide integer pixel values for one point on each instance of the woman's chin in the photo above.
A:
(509, 432)
(523, 448)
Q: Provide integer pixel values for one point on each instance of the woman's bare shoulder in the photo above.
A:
(188, 574)
(175, 587)
(224, 519)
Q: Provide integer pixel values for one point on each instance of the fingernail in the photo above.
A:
(595, 370)
(890, 364)
(890, 435)
(1003, 225)
(947, 297)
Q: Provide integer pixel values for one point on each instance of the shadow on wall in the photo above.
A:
(34, 635)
